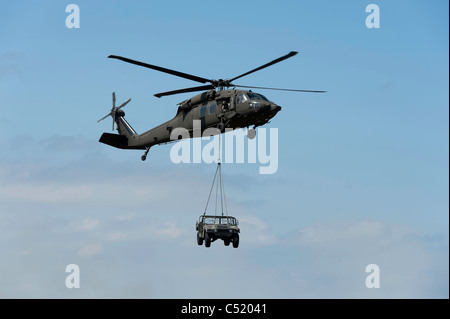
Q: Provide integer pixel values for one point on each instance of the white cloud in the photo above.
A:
(88, 224)
(89, 250)
(117, 236)
(254, 231)
(125, 217)
(148, 223)
(343, 232)
(24, 252)
(169, 229)
(320, 261)
(339, 252)
(50, 193)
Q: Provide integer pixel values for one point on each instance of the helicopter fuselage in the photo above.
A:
(217, 107)
(212, 109)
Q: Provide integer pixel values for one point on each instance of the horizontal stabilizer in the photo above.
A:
(119, 141)
(115, 140)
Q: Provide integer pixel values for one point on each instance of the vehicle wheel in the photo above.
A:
(199, 239)
(226, 242)
(207, 240)
(236, 241)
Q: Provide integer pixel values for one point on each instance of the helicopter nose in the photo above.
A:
(276, 108)
(272, 107)
(265, 107)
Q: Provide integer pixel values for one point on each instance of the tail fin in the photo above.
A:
(121, 140)
(126, 132)
(123, 127)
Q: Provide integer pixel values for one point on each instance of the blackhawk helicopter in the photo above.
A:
(221, 106)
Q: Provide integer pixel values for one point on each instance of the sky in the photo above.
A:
(362, 178)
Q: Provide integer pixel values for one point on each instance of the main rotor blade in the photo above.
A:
(290, 54)
(158, 68)
(192, 89)
(114, 99)
(264, 88)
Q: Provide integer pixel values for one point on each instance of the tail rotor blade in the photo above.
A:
(123, 104)
(114, 110)
(103, 118)
(114, 120)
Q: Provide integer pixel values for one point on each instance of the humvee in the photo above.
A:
(210, 228)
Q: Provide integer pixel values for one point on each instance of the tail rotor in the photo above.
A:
(114, 110)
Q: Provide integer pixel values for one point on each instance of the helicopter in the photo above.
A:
(220, 106)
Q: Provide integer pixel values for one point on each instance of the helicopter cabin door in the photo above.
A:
(232, 102)
(202, 114)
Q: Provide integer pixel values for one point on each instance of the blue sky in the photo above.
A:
(363, 170)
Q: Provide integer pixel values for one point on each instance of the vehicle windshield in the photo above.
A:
(220, 220)
(256, 97)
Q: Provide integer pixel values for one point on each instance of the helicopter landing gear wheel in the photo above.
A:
(221, 127)
(144, 157)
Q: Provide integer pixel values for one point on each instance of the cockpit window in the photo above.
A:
(241, 98)
(256, 97)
